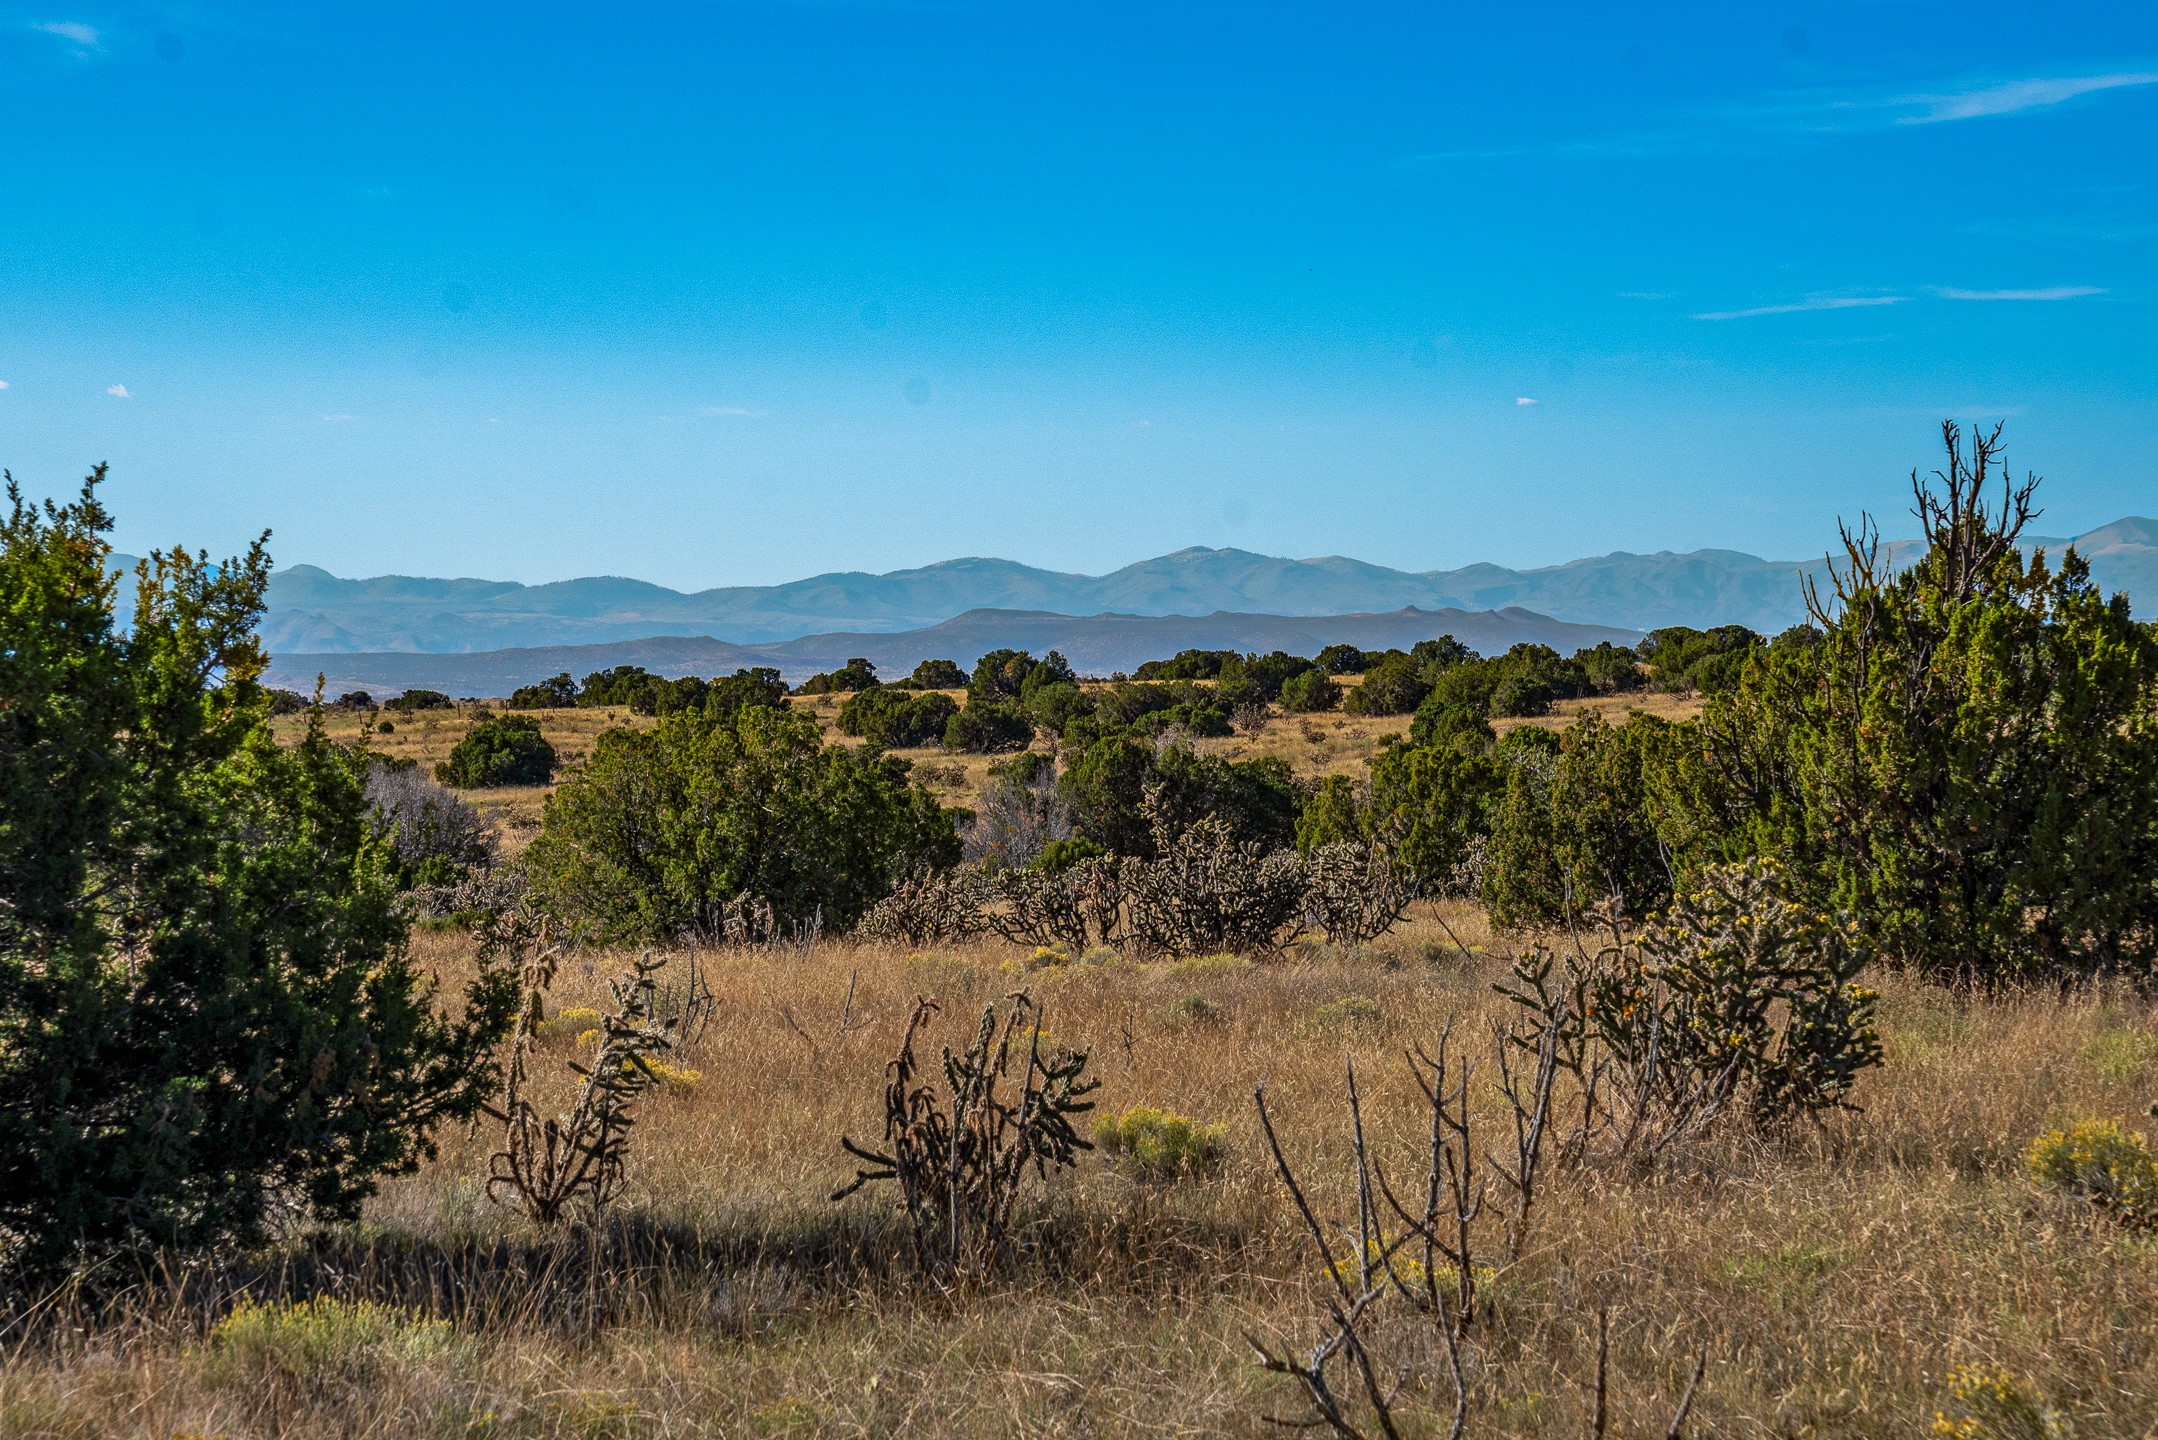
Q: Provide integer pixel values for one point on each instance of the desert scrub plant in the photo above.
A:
(1410, 1272)
(2103, 1163)
(1045, 957)
(961, 1159)
(1191, 1011)
(1017, 814)
(1350, 1012)
(580, 1156)
(324, 1338)
(2119, 1056)
(1995, 1405)
(436, 836)
(1160, 1144)
(1737, 997)
(671, 1079)
(929, 907)
(1207, 891)
(1198, 967)
(1353, 891)
(568, 1026)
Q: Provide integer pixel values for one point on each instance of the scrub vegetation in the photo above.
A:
(1736, 1035)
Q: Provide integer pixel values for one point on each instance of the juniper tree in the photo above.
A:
(206, 1009)
(1965, 754)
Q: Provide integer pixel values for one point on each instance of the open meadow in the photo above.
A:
(1833, 1276)
(1704, 1041)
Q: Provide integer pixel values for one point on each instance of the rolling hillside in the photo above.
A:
(315, 612)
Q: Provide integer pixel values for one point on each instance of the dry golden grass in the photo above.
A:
(1834, 1277)
(1614, 708)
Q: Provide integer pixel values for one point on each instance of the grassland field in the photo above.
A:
(1834, 1275)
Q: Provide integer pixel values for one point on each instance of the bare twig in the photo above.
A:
(1685, 1401)
(786, 1013)
(1599, 1419)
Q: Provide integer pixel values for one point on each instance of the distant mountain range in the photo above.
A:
(314, 612)
(1095, 645)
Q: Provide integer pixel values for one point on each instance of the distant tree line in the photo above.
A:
(633, 688)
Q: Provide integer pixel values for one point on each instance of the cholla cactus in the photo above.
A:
(1354, 892)
(961, 1158)
(926, 908)
(495, 891)
(1075, 908)
(1209, 892)
(1736, 995)
(1752, 995)
(581, 1155)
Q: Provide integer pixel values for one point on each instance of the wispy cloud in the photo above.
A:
(1793, 115)
(118, 392)
(2050, 292)
(3, 384)
(70, 31)
(1525, 400)
(738, 411)
(1817, 302)
(2013, 97)
(1644, 294)
(337, 417)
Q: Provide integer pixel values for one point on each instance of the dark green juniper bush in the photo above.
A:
(661, 831)
(500, 750)
(1963, 753)
(206, 1011)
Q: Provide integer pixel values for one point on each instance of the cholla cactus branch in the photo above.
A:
(1208, 891)
(1354, 891)
(579, 1156)
(962, 1159)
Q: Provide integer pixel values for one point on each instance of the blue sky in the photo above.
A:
(735, 293)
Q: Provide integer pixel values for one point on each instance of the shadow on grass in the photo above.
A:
(636, 1268)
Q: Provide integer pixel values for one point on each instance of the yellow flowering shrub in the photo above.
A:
(1160, 1144)
(571, 1024)
(1995, 1405)
(2104, 1164)
(309, 1340)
